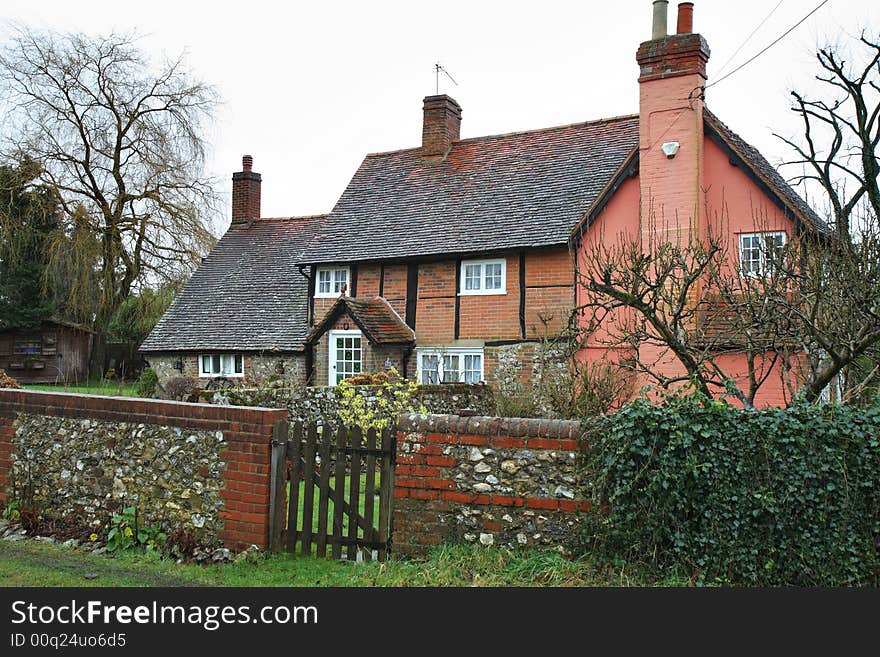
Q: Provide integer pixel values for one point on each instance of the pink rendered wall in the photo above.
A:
(733, 204)
(617, 222)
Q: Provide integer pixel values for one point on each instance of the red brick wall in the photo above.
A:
(394, 290)
(549, 291)
(492, 316)
(549, 296)
(432, 450)
(435, 308)
(368, 280)
(247, 435)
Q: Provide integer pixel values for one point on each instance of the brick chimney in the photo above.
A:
(245, 193)
(441, 127)
(671, 81)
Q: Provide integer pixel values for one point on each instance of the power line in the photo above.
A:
(780, 38)
(749, 38)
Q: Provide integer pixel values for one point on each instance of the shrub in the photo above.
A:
(182, 388)
(147, 382)
(7, 381)
(764, 497)
(379, 406)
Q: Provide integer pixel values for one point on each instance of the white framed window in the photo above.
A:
(331, 281)
(484, 276)
(345, 358)
(229, 365)
(449, 365)
(757, 250)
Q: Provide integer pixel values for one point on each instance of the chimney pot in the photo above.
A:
(247, 163)
(658, 27)
(685, 18)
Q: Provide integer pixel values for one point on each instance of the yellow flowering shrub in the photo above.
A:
(379, 406)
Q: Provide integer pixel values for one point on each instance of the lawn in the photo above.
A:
(30, 563)
(96, 387)
(330, 505)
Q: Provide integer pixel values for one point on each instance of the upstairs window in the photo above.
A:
(484, 276)
(331, 281)
(229, 365)
(757, 252)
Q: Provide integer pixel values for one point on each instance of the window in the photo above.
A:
(450, 365)
(331, 281)
(483, 277)
(346, 355)
(757, 251)
(27, 346)
(230, 365)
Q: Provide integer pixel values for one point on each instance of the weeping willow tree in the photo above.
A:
(120, 139)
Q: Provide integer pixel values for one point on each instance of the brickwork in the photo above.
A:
(495, 481)
(247, 433)
(441, 126)
(246, 186)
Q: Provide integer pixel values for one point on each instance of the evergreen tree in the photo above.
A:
(29, 215)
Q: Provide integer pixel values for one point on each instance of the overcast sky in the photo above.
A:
(309, 88)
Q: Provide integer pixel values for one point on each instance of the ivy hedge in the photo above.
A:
(767, 497)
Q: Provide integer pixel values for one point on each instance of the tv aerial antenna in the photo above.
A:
(438, 69)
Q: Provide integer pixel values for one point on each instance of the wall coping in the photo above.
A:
(489, 426)
(56, 403)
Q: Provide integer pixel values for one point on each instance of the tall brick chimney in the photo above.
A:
(671, 81)
(442, 125)
(245, 192)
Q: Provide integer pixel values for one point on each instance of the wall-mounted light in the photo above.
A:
(279, 367)
(388, 363)
(344, 326)
(178, 365)
(669, 148)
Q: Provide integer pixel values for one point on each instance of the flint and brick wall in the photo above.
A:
(244, 452)
(259, 369)
(493, 481)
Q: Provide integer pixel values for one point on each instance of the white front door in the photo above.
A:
(345, 357)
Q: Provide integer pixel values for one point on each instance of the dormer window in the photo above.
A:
(331, 281)
(483, 277)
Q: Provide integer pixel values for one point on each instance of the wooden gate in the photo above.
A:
(332, 487)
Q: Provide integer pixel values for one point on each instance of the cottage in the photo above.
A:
(441, 258)
(242, 316)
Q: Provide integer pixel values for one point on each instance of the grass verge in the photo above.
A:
(30, 563)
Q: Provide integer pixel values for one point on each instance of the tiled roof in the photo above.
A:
(767, 172)
(524, 189)
(374, 316)
(247, 295)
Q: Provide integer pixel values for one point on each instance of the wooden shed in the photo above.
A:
(57, 352)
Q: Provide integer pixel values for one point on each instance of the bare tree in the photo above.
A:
(838, 152)
(674, 311)
(122, 142)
